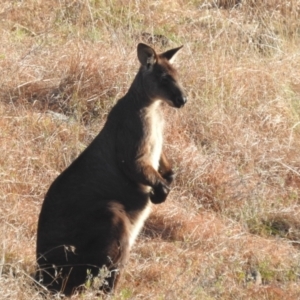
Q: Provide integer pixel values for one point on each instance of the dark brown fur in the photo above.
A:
(94, 210)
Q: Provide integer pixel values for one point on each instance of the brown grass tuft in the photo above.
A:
(230, 228)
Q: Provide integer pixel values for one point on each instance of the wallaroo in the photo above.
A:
(94, 210)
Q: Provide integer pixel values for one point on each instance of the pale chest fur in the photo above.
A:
(154, 135)
(152, 149)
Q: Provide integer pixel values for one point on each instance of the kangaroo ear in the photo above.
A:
(170, 55)
(146, 55)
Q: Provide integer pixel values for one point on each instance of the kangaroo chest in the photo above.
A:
(153, 136)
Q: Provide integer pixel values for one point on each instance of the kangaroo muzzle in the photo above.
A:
(180, 101)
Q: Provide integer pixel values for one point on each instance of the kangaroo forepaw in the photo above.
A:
(169, 176)
(159, 193)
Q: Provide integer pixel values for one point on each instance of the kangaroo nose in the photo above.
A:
(180, 101)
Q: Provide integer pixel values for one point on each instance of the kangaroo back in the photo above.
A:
(94, 210)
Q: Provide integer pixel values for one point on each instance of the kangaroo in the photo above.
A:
(94, 210)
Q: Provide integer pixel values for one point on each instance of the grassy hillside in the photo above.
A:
(230, 228)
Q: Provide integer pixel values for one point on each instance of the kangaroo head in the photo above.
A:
(159, 76)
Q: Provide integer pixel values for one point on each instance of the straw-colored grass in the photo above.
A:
(230, 228)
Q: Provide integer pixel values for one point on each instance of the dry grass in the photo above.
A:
(230, 228)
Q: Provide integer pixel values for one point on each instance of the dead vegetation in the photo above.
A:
(230, 228)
